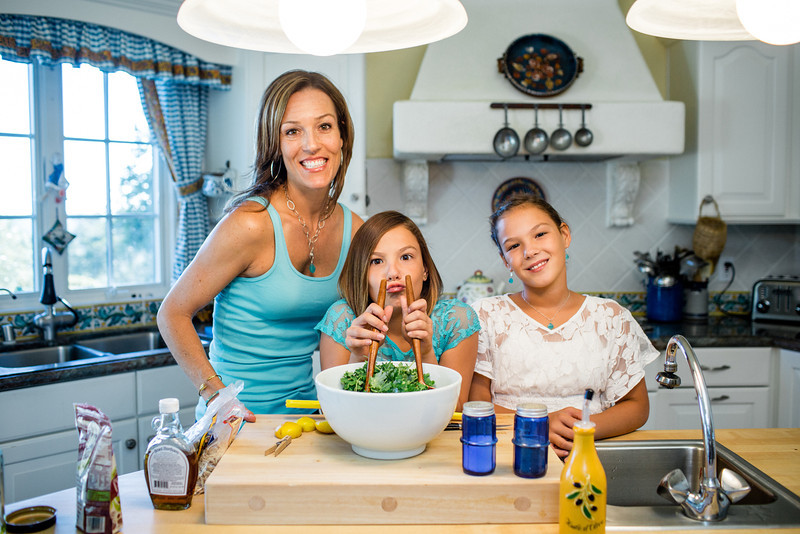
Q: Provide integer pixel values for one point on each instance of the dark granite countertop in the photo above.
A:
(724, 331)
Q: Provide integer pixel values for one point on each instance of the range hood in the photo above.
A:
(449, 115)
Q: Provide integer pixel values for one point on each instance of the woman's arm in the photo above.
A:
(481, 390)
(229, 251)
(461, 358)
(628, 414)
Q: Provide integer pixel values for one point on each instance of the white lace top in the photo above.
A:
(600, 347)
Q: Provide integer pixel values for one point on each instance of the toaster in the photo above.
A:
(777, 298)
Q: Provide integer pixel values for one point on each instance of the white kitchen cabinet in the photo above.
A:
(789, 390)
(742, 131)
(48, 463)
(740, 382)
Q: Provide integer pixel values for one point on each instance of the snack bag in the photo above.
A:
(99, 509)
(213, 433)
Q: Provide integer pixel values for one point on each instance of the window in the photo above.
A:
(93, 123)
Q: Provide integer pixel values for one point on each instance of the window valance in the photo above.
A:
(49, 40)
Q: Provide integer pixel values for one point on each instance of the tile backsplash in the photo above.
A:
(601, 258)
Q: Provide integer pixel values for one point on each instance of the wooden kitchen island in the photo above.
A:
(774, 451)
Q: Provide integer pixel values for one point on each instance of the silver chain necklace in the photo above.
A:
(312, 241)
(549, 319)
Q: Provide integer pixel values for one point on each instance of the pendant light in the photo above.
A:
(694, 20)
(322, 27)
(772, 21)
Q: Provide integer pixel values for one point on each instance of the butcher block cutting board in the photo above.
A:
(318, 479)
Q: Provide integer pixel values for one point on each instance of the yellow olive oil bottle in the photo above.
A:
(582, 492)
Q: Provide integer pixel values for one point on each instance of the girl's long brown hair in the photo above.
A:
(354, 280)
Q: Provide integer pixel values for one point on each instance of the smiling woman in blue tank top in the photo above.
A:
(271, 265)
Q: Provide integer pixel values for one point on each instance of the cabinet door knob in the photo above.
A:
(130, 443)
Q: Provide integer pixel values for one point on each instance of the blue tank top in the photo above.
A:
(264, 327)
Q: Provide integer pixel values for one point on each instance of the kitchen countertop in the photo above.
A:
(774, 451)
(717, 331)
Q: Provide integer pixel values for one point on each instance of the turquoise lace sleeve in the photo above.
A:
(336, 321)
(453, 322)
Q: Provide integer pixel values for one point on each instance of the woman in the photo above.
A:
(548, 344)
(271, 264)
(388, 247)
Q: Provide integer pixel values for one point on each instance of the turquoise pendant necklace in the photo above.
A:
(312, 241)
(549, 319)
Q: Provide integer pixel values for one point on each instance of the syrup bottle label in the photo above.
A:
(168, 471)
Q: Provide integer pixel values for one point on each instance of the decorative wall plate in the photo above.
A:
(515, 186)
(540, 65)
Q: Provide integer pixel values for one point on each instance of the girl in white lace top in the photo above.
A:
(548, 344)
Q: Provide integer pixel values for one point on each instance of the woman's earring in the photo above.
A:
(567, 256)
(272, 171)
(510, 277)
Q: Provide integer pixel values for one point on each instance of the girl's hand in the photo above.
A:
(361, 333)
(561, 433)
(417, 325)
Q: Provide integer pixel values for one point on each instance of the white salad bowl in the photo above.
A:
(388, 426)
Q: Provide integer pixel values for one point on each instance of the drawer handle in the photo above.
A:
(720, 398)
(712, 369)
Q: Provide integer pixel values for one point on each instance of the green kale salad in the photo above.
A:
(386, 378)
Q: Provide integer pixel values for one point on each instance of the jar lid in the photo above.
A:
(31, 519)
(532, 409)
(478, 408)
(169, 405)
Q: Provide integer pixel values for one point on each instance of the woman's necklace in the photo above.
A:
(312, 241)
(549, 319)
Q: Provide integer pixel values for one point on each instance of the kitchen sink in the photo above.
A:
(634, 469)
(47, 356)
(126, 343)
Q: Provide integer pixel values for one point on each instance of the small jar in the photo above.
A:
(531, 439)
(478, 438)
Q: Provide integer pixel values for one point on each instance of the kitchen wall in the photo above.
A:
(601, 258)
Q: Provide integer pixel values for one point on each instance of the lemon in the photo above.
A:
(324, 427)
(307, 424)
(290, 429)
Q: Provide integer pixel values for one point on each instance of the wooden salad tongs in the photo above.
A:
(415, 344)
(373, 347)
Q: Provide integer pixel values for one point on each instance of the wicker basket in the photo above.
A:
(710, 233)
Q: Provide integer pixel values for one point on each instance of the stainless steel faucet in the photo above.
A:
(715, 495)
(50, 321)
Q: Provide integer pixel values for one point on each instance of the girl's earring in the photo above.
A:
(510, 277)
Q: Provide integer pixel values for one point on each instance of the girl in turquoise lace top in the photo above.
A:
(390, 246)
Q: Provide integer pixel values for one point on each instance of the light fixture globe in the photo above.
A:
(697, 20)
(775, 22)
(322, 27)
(256, 25)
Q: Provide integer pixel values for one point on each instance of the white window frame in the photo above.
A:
(47, 140)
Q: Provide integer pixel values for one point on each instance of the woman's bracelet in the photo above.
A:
(212, 397)
(204, 385)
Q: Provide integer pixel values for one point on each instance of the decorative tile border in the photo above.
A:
(143, 313)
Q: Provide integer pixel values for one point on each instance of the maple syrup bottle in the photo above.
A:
(170, 463)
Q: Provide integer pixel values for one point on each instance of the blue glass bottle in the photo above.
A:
(531, 439)
(478, 438)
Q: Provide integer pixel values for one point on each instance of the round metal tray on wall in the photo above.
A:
(540, 65)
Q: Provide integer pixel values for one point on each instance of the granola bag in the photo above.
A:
(214, 432)
(99, 510)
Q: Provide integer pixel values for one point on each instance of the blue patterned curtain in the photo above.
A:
(178, 114)
(173, 86)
